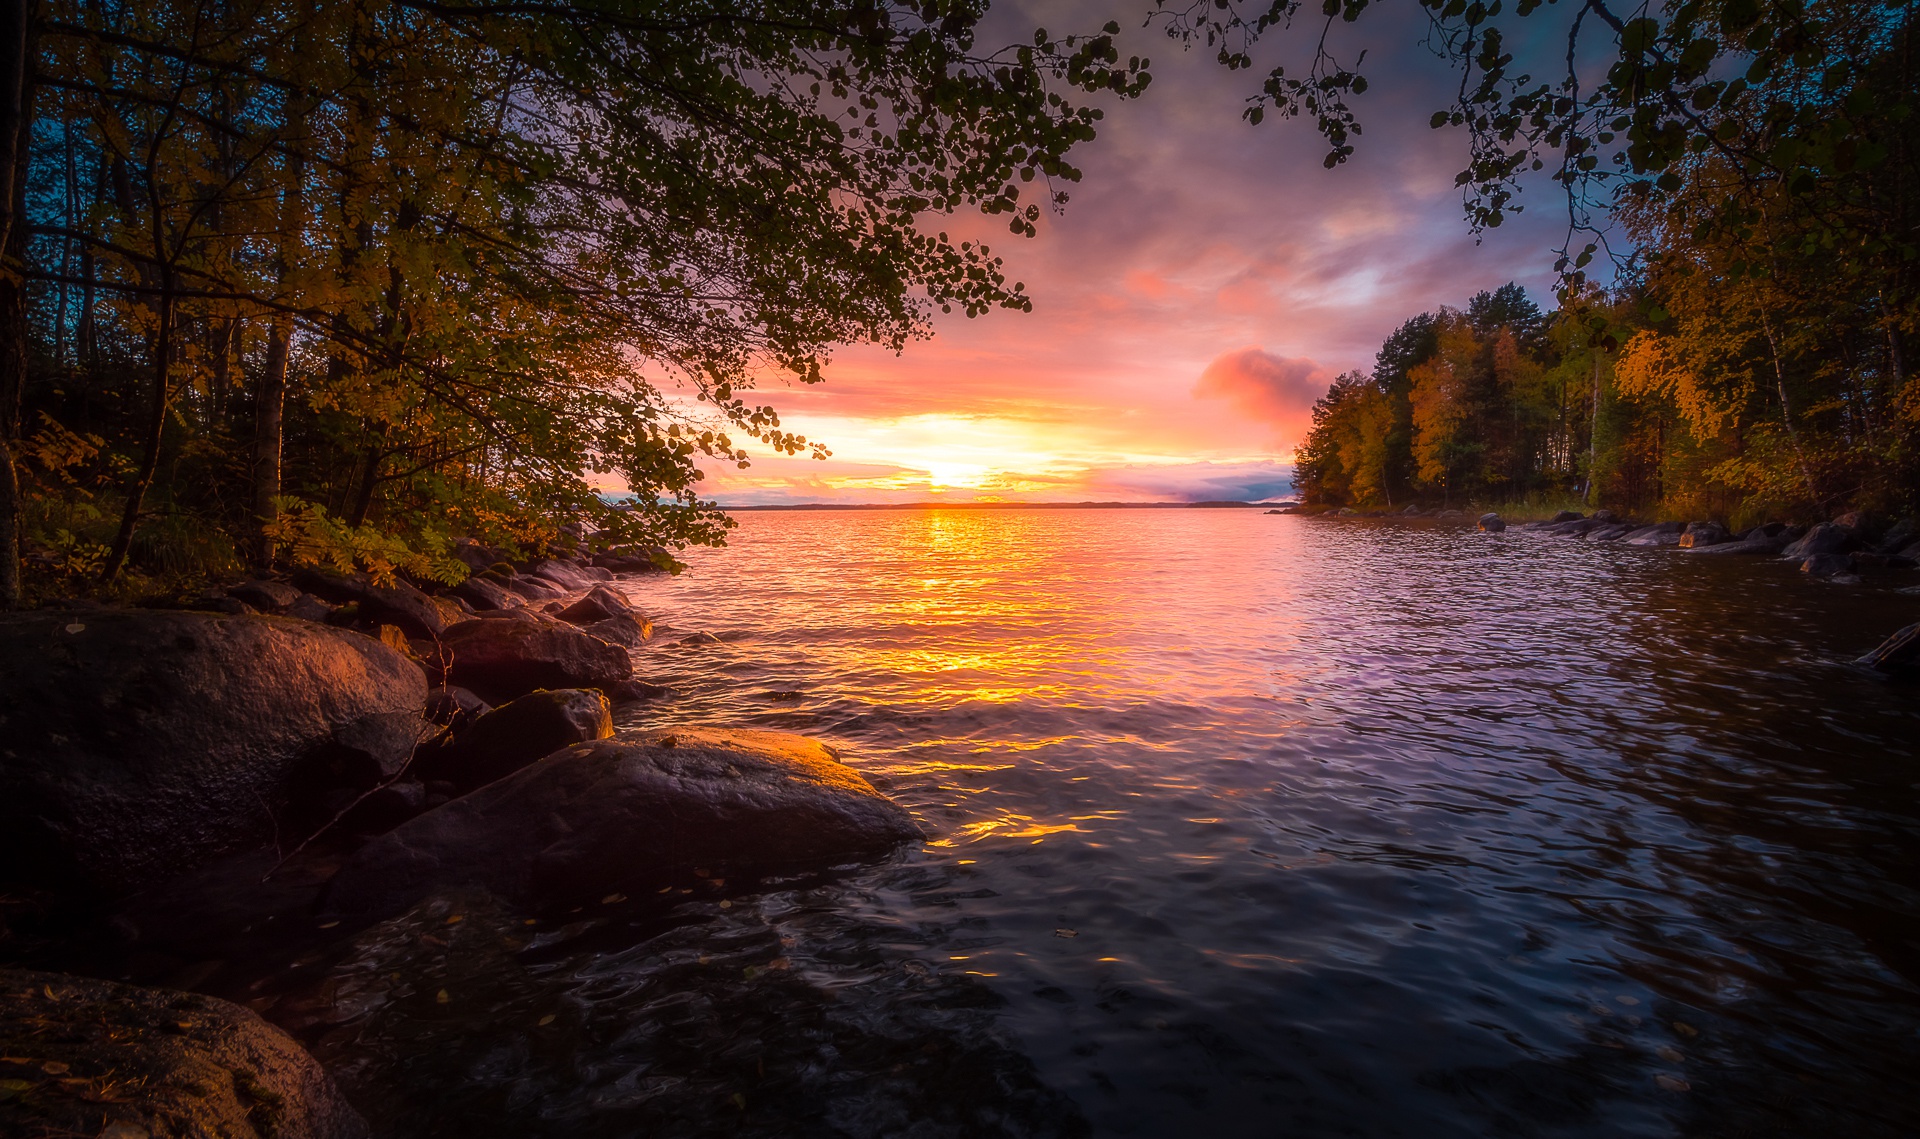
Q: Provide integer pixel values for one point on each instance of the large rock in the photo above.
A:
(566, 575)
(1492, 523)
(266, 596)
(1658, 534)
(1900, 651)
(137, 744)
(1826, 538)
(515, 734)
(599, 604)
(505, 656)
(630, 631)
(1904, 533)
(627, 816)
(84, 1057)
(486, 595)
(1756, 541)
(400, 604)
(1698, 534)
(1568, 516)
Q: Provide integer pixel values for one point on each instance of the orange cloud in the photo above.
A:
(1277, 390)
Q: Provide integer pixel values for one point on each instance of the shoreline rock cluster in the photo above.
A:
(1835, 551)
(395, 743)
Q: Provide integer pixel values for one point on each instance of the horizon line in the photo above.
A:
(1213, 504)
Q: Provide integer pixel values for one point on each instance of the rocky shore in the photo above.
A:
(325, 752)
(1839, 551)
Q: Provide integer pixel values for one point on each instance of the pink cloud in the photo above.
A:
(1278, 390)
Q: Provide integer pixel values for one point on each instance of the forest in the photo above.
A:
(310, 282)
(1749, 357)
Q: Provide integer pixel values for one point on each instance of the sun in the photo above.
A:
(946, 476)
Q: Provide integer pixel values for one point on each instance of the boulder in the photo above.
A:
(485, 594)
(1826, 538)
(630, 631)
(385, 808)
(1491, 523)
(1567, 516)
(1854, 520)
(1827, 565)
(1900, 651)
(477, 557)
(530, 588)
(1411, 511)
(1904, 532)
(1605, 516)
(501, 657)
(85, 1057)
(599, 604)
(453, 707)
(1612, 533)
(1756, 541)
(566, 575)
(519, 732)
(135, 745)
(633, 559)
(399, 604)
(1698, 534)
(266, 596)
(631, 816)
(1451, 514)
(307, 607)
(1658, 534)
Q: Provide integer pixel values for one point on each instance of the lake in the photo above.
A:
(1242, 825)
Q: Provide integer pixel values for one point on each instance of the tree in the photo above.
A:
(465, 247)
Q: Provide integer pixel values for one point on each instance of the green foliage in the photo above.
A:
(305, 534)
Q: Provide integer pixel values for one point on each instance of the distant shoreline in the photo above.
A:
(1012, 506)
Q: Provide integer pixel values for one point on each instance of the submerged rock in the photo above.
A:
(510, 655)
(1491, 523)
(1900, 651)
(85, 1057)
(135, 744)
(626, 816)
(517, 733)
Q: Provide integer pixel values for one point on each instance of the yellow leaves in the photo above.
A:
(1656, 367)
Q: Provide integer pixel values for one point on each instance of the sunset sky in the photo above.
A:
(1206, 282)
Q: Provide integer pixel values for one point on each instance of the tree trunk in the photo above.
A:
(269, 402)
(16, 118)
(156, 431)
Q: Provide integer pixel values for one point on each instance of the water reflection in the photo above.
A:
(1370, 829)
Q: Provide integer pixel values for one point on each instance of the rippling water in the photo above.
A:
(1253, 826)
(1244, 826)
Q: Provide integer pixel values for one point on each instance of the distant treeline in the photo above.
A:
(1701, 415)
(1753, 355)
